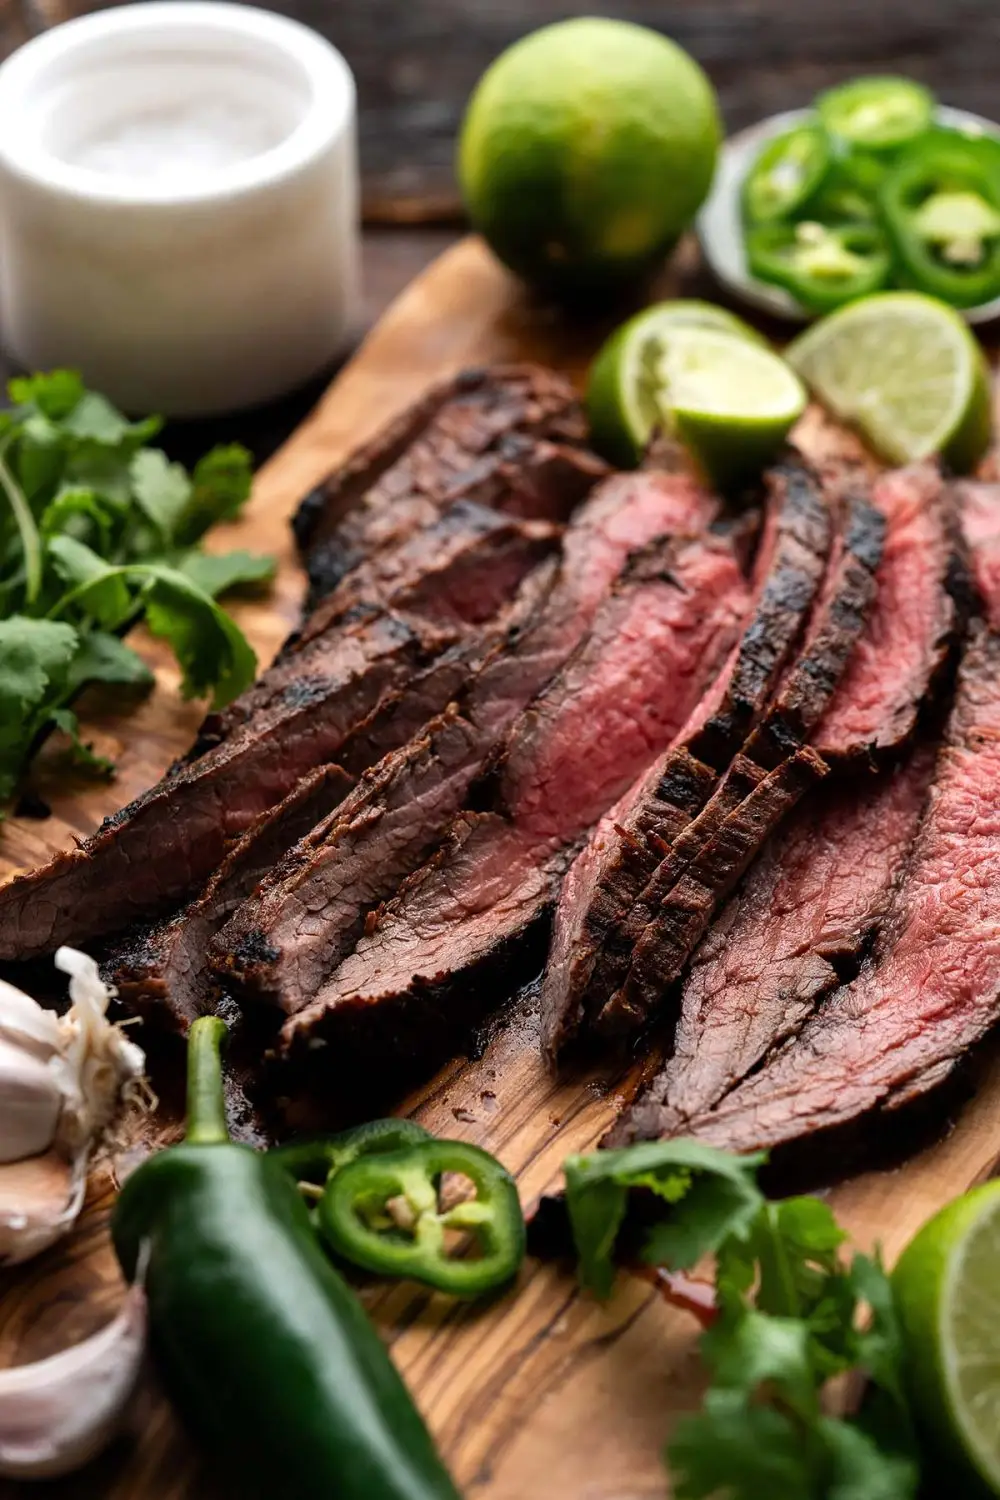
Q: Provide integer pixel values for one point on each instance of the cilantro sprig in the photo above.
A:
(98, 530)
(791, 1318)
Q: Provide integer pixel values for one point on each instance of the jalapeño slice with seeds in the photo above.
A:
(941, 205)
(876, 114)
(823, 266)
(786, 174)
(393, 1213)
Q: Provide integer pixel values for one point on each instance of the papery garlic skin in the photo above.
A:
(62, 1081)
(57, 1414)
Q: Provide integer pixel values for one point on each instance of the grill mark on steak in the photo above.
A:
(453, 442)
(916, 619)
(649, 939)
(622, 695)
(163, 972)
(310, 909)
(932, 987)
(810, 904)
(458, 569)
(821, 890)
(682, 918)
(585, 965)
(155, 851)
(304, 920)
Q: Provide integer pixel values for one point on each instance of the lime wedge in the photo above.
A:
(947, 1293)
(621, 396)
(906, 371)
(730, 402)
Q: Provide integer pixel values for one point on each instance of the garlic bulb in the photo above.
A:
(62, 1080)
(60, 1412)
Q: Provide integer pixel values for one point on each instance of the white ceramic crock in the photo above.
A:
(181, 292)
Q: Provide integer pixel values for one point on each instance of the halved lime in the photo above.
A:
(622, 398)
(947, 1292)
(906, 371)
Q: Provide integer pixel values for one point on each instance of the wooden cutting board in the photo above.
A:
(544, 1395)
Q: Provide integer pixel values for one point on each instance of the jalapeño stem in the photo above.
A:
(206, 1105)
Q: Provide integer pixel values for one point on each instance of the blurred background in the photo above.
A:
(416, 62)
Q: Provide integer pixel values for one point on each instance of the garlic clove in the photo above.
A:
(31, 1101)
(25, 1023)
(40, 1200)
(62, 1082)
(57, 1414)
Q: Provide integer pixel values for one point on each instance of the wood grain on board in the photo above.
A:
(543, 1395)
(417, 61)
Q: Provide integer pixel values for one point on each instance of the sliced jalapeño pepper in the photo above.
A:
(389, 1213)
(823, 266)
(941, 205)
(787, 172)
(315, 1161)
(876, 114)
(841, 199)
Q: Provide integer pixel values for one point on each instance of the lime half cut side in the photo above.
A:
(906, 371)
(623, 398)
(730, 402)
(947, 1293)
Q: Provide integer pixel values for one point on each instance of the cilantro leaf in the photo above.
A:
(734, 1450)
(102, 657)
(746, 1349)
(96, 529)
(220, 487)
(96, 588)
(213, 654)
(82, 513)
(83, 755)
(715, 1192)
(54, 394)
(34, 656)
(161, 488)
(218, 572)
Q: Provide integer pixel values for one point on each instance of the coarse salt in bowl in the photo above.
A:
(178, 204)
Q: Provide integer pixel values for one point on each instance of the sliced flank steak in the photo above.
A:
(822, 888)
(454, 442)
(307, 914)
(809, 906)
(673, 911)
(160, 848)
(370, 678)
(913, 626)
(932, 986)
(621, 696)
(163, 971)
(460, 568)
(585, 966)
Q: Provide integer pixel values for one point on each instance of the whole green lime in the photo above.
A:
(587, 148)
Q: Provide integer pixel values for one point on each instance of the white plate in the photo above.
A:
(720, 228)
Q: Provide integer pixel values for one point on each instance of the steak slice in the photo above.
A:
(932, 987)
(663, 927)
(163, 971)
(917, 616)
(306, 916)
(455, 441)
(625, 849)
(154, 852)
(811, 902)
(619, 698)
(978, 506)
